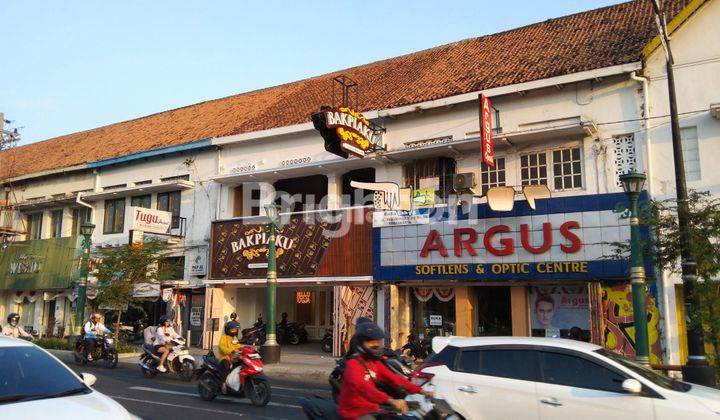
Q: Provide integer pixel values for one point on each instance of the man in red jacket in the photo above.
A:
(359, 397)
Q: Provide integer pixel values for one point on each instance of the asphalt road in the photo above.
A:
(167, 397)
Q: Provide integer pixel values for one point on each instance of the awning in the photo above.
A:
(157, 187)
(45, 264)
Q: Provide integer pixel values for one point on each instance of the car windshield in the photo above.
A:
(649, 374)
(28, 373)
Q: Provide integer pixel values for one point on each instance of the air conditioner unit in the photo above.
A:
(464, 182)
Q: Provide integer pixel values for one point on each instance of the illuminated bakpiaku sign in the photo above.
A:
(345, 131)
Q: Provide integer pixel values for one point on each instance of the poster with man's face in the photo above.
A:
(559, 308)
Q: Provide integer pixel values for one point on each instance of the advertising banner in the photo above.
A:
(560, 311)
(150, 220)
(486, 134)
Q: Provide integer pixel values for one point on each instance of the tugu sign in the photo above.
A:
(240, 248)
(150, 220)
(345, 131)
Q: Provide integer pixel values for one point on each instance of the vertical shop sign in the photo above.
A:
(488, 150)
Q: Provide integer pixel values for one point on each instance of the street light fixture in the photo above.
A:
(270, 350)
(633, 183)
(86, 230)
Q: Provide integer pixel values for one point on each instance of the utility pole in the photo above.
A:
(697, 370)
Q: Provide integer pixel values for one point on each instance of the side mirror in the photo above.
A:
(632, 386)
(88, 379)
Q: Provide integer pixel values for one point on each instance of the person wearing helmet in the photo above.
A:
(13, 328)
(352, 346)
(92, 329)
(229, 345)
(163, 336)
(359, 396)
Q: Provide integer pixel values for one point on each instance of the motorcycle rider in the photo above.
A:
(352, 346)
(163, 336)
(229, 344)
(92, 329)
(359, 396)
(13, 328)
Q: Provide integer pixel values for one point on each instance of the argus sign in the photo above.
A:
(150, 220)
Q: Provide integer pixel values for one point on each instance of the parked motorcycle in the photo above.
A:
(246, 379)
(104, 351)
(327, 341)
(292, 333)
(254, 335)
(179, 361)
(416, 348)
(421, 407)
(394, 361)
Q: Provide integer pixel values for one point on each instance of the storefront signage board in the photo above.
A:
(345, 128)
(566, 238)
(436, 320)
(198, 263)
(399, 218)
(150, 220)
(486, 133)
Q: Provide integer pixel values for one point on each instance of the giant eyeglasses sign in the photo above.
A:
(345, 131)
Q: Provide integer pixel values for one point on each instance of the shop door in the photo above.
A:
(433, 310)
(494, 311)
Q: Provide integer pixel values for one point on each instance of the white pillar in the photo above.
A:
(334, 191)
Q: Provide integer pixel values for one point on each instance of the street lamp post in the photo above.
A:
(270, 350)
(633, 183)
(86, 230)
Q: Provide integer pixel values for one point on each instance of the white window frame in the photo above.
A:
(520, 167)
(551, 170)
(489, 170)
(549, 163)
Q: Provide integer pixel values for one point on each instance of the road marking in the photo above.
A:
(176, 405)
(222, 398)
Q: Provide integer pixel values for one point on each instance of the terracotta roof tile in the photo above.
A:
(594, 39)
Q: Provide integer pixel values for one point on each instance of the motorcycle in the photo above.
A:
(327, 342)
(246, 379)
(394, 361)
(178, 361)
(254, 335)
(292, 333)
(104, 351)
(416, 348)
(421, 407)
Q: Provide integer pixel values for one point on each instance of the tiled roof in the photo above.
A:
(584, 41)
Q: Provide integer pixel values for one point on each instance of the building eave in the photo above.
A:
(672, 26)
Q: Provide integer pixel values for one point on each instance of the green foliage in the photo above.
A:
(125, 267)
(123, 347)
(54, 343)
(703, 235)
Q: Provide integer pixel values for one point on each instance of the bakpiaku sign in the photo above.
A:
(347, 128)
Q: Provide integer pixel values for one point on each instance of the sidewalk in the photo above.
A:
(294, 364)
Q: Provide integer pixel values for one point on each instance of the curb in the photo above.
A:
(66, 356)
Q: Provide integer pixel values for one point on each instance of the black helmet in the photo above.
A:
(369, 331)
(362, 320)
(231, 328)
(13, 318)
(163, 319)
(233, 316)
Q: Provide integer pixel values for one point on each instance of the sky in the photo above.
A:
(76, 65)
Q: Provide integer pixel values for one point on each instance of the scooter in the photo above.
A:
(179, 361)
(416, 348)
(421, 407)
(246, 379)
(292, 333)
(254, 335)
(327, 342)
(104, 351)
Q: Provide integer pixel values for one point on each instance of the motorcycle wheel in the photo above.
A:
(187, 369)
(149, 374)
(79, 359)
(258, 391)
(294, 339)
(111, 359)
(326, 346)
(206, 381)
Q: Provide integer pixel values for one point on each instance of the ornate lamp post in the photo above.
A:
(633, 183)
(86, 230)
(271, 349)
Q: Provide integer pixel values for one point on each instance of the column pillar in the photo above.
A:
(334, 191)
(214, 304)
(520, 311)
(464, 311)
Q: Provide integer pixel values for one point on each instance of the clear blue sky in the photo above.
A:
(69, 66)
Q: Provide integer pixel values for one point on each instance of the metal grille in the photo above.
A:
(625, 156)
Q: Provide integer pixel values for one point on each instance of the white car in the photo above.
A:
(35, 385)
(555, 379)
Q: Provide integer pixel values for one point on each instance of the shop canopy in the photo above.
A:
(43, 264)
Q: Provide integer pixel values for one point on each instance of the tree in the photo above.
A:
(662, 248)
(125, 267)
